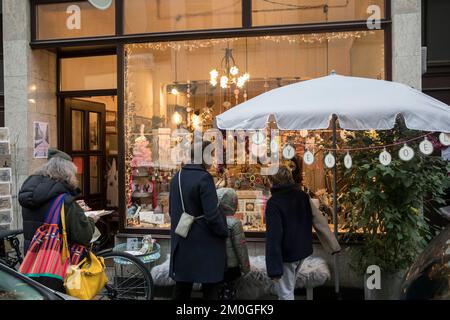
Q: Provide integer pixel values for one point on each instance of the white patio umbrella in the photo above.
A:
(358, 103)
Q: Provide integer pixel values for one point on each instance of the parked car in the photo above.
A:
(429, 277)
(15, 286)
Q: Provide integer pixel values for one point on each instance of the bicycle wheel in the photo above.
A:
(128, 278)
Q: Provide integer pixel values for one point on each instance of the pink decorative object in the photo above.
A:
(142, 155)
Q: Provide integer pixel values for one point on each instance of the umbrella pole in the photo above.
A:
(335, 207)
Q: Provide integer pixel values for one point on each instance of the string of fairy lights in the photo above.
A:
(312, 38)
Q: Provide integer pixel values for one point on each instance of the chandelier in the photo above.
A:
(230, 73)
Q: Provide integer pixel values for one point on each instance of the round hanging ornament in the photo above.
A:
(385, 158)
(348, 161)
(444, 138)
(406, 153)
(258, 137)
(330, 160)
(308, 158)
(288, 152)
(426, 147)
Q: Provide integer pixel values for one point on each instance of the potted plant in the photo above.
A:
(386, 206)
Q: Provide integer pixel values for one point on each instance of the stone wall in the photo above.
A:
(406, 42)
(30, 92)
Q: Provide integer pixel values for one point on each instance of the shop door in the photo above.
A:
(84, 141)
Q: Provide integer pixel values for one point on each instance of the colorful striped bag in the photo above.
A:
(49, 255)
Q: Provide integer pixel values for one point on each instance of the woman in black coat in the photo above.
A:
(201, 256)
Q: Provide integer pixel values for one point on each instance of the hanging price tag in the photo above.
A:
(330, 160)
(406, 153)
(385, 158)
(426, 147)
(348, 161)
(308, 158)
(444, 138)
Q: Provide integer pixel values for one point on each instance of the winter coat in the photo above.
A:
(237, 251)
(290, 218)
(201, 257)
(35, 197)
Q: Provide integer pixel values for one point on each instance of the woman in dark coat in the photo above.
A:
(201, 256)
(56, 177)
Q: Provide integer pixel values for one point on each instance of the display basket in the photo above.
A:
(148, 259)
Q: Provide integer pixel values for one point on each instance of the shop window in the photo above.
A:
(73, 20)
(148, 16)
(172, 85)
(281, 12)
(89, 73)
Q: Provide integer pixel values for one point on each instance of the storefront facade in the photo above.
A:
(114, 81)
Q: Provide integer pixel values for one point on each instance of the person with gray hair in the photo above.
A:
(57, 176)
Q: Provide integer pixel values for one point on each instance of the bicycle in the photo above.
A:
(128, 276)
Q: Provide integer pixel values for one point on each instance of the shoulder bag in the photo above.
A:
(186, 220)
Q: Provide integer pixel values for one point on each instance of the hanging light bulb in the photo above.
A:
(214, 74)
(224, 82)
(234, 71)
(177, 118)
(174, 91)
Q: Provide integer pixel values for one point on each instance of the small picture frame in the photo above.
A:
(132, 244)
(5, 175)
(4, 134)
(250, 206)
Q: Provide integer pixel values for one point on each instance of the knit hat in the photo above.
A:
(53, 153)
(228, 200)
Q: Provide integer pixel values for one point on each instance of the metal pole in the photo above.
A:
(335, 207)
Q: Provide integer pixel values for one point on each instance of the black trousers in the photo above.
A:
(183, 291)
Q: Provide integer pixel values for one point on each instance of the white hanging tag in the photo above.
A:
(308, 158)
(426, 147)
(330, 160)
(258, 137)
(288, 152)
(406, 153)
(348, 161)
(385, 158)
(444, 138)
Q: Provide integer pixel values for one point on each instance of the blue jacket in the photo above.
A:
(289, 228)
(201, 257)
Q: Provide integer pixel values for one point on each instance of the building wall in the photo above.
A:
(406, 42)
(30, 86)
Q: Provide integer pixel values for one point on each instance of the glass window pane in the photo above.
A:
(146, 16)
(94, 131)
(279, 12)
(94, 175)
(74, 20)
(160, 99)
(77, 130)
(89, 73)
(78, 162)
